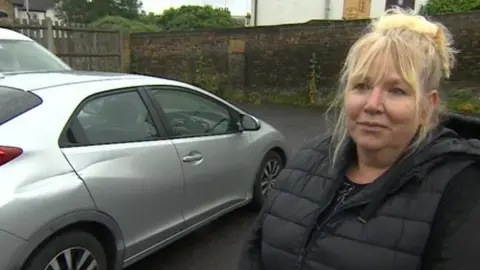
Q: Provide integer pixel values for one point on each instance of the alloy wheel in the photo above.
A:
(270, 173)
(76, 258)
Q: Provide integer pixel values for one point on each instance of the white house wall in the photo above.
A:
(274, 12)
(21, 14)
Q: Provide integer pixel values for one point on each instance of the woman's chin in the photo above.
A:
(370, 144)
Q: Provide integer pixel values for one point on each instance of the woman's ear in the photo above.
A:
(432, 100)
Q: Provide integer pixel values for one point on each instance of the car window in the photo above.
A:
(14, 102)
(191, 114)
(115, 118)
(26, 55)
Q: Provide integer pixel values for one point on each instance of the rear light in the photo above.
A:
(8, 153)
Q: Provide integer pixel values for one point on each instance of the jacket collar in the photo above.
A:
(441, 144)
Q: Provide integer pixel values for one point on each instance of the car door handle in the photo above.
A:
(192, 158)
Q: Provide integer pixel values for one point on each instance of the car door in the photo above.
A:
(129, 165)
(214, 153)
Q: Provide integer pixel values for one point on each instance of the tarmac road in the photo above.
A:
(217, 246)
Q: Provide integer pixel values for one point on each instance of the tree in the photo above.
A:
(190, 17)
(442, 6)
(148, 18)
(129, 9)
(87, 11)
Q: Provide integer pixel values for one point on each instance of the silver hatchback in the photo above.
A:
(100, 170)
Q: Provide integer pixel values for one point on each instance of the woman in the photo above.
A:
(392, 187)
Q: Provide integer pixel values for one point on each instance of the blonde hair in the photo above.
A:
(421, 51)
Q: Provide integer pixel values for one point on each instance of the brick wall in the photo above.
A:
(277, 57)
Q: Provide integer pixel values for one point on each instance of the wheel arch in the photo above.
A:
(92, 221)
(279, 150)
(273, 148)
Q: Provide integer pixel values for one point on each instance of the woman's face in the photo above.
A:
(383, 114)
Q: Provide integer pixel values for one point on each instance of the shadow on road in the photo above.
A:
(216, 246)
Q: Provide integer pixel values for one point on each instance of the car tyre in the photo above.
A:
(83, 249)
(269, 169)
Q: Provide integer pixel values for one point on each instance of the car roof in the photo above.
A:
(80, 84)
(32, 81)
(7, 34)
(62, 92)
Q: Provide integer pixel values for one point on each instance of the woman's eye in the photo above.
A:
(360, 87)
(397, 91)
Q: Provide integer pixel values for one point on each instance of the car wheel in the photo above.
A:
(266, 176)
(70, 250)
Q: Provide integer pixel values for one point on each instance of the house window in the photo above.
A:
(34, 17)
(407, 4)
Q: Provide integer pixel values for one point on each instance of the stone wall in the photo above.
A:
(277, 57)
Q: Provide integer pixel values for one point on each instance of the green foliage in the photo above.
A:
(206, 79)
(88, 11)
(442, 6)
(190, 17)
(313, 79)
(463, 100)
(200, 66)
(148, 18)
(124, 24)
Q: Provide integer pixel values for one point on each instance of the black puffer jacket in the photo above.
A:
(309, 225)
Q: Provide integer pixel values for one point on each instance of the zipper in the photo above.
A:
(318, 228)
(299, 262)
(315, 229)
(312, 229)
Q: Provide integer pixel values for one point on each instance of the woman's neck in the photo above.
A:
(371, 164)
(378, 160)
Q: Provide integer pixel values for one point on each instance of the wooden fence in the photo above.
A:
(81, 46)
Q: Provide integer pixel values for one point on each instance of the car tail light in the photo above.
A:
(8, 153)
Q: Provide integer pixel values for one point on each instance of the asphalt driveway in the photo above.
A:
(298, 124)
(217, 246)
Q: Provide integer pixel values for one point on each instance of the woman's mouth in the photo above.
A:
(371, 126)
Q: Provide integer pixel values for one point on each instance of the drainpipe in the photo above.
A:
(255, 12)
(27, 7)
(327, 10)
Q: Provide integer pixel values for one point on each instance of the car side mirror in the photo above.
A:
(249, 123)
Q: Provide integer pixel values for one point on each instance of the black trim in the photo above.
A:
(32, 101)
(157, 119)
(72, 123)
(234, 115)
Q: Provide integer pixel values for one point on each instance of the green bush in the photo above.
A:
(443, 6)
(124, 24)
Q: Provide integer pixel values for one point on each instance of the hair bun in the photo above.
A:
(395, 18)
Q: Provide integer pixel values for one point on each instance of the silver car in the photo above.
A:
(99, 170)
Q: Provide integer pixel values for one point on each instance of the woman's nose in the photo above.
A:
(374, 101)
